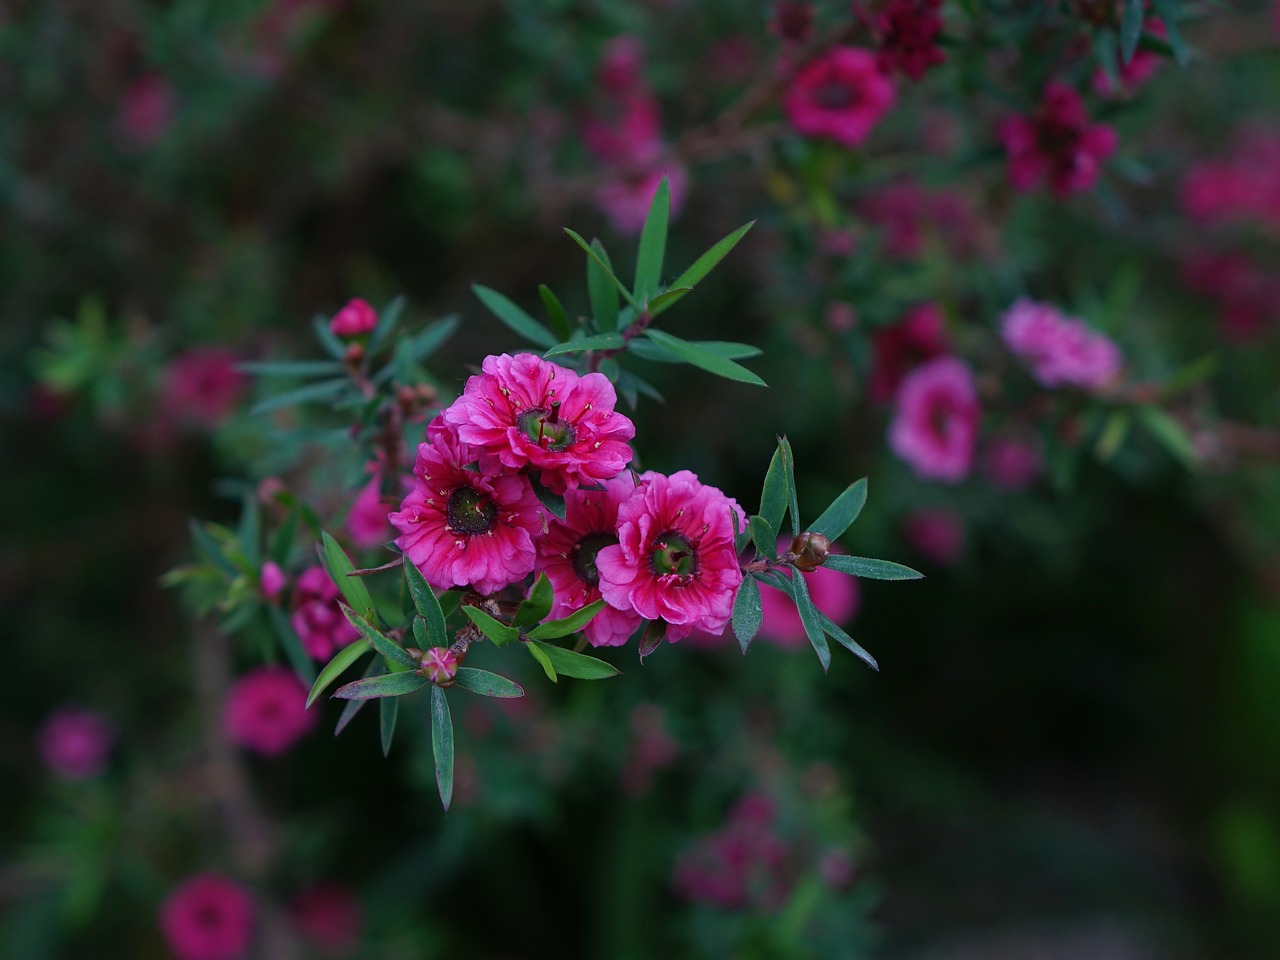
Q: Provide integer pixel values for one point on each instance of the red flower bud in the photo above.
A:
(810, 550)
(440, 666)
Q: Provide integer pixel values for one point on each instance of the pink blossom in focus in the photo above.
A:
(1060, 350)
(835, 594)
(202, 386)
(567, 554)
(147, 108)
(935, 424)
(529, 412)
(937, 534)
(908, 32)
(317, 619)
(271, 580)
(465, 527)
(266, 711)
(626, 200)
(1013, 462)
(208, 917)
(744, 865)
(75, 743)
(329, 917)
(919, 336)
(355, 319)
(839, 96)
(675, 559)
(1057, 144)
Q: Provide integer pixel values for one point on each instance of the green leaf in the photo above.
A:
(388, 711)
(290, 368)
(538, 604)
(601, 292)
(497, 631)
(554, 502)
(748, 612)
(646, 350)
(600, 262)
(599, 341)
(387, 321)
(668, 298)
(332, 345)
(427, 340)
(1113, 434)
(298, 658)
(764, 536)
(653, 243)
(810, 618)
(578, 665)
(837, 633)
(384, 685)
(844, 509)
(1130, 28)
(336, 667)
(420, 634)
(705, 359)
(1170, 13)
(488, 684)
(442, 745)
(339, 567)
(555, 311)
(773, 498)
(544, 661)
(789, 472)
(251, 531)
(282, 540)
(427, 605)
(211, 549)
(389, 649)
(1170, 433)
(705, 263)
(553, 629)
(514, 317)
(377, 666)
(871, 568)
(312, 391)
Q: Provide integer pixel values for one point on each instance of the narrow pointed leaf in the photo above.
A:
(554, 502)
(668, 298)
(765, 537)
(537, 605)
(871, 568)
(1169, 13)
(600, 341)
(839, 517)
(298, 658)
(290, 398)
(789, 472)
(1170, 433)
(290, 368)
(332, 345)
(384, 685)
(773, 498)
(343, 659)
(553, 629)
(648, 350)
(608, 270)
(601, 292)
(387, 321)
(392, 651)
(809, 617)
(555, 312)
(1130, 28)
(703, 358)
(748, 613)
(211, 549)
(339, 566)
(426, 341)
(497, 631)
(488, 684)
(837, 633)
(515, 318)
(578, 665)
(543, 660)
(388, 711)
(655, 631)
(442, 745)
(653, 243)
(427, 605)
(705, 263)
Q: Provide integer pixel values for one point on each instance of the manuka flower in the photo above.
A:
(266, 711)
(935, 426)
(1060, 350)
(1057, 143)
(317, 619)
(529, 412)
(355, 319)
(675, 559)
(919, 336)
(908, 31)
(208, 917)
(840, 96)
(466, 527)
(568, 556)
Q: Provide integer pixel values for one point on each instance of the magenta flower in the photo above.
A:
(367, 520)
(908, 31)
(529, 412)
(743, 865)
(266, 712)
(675, 558)
(147, 108)
(840, 96)
(1057, 143)
(937, 534)
(935, 425)
(271, 580)
(202, 386)
(568, 555)
(621, 67)
(355, 319)
(208, 917)
(835, 594)
(1013, 462)
(919, 336)
(626, 200)
(1240, 188)
(317, 619)
(464, 527)
(1141, 67)
(907, 214)
(75, 743)
(329, 917)
(1060, 350)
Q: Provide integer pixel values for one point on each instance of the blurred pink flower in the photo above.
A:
(906, 213)
(937, 534)
(919, 336)
(744, 865)
(839, 96)
(329, 917)
(651, 749)
(147, 108)
(367, 522)
(1013, 462)
(75, 743)
(621, 67)
(208, 917)
(626, 200)
(265, 711)
(1057, 143)
(1060, 350)
(317, 619)
(202, 386)
(935, 424)
(908, 32)
(271, 580)
(1241, 188)
(355, 319)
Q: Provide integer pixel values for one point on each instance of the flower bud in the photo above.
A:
(440, 666)
(356, 319)
(354, 355)
(810, 550)
(271, 580)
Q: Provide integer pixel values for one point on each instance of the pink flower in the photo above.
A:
(631, 135)
(1061, 350)
(147, 108)
(938, 534)
(464, 527)
(840, 96)
(626, 200)
(1057, 143)
(908, 31)
(568, 552)
(355, 319)
(919, 336)
(328, 917)
(835, 594)
(440, 666)
(1013, 462)
(317, 619)
(266, 711)
(1240, 188)
(208, 917)
(935, 425)
(367, 520)
(743, 865)
(76, 743)
(271, 580)
(529, 412)
(202, 386)
(907, 213)
(675, 558)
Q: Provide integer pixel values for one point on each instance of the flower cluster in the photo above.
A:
(654, 547)
(1061, 351)
(1058, 144)
(908, 32)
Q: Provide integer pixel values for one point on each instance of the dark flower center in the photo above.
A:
(673, 554)
(583, 556)
(834, 95)
(470, 511)
(545, 428)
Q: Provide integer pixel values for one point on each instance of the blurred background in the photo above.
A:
(1071, 749)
